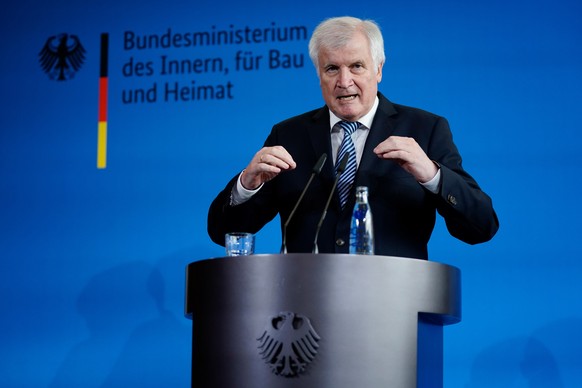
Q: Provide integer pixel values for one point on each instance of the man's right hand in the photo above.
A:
(266, 165)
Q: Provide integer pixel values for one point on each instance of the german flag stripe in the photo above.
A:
(102, 115)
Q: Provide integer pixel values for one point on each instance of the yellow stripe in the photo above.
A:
(102, 145)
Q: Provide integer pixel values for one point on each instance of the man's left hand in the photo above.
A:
(407, 153)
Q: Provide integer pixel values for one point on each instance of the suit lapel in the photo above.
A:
(382, 128)
(319, 135)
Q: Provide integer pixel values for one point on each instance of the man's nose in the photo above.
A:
(345, 79)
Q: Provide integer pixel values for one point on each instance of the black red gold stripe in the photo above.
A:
(103, 86)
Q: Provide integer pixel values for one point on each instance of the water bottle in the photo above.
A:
(362, 230)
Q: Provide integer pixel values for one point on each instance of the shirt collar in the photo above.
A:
(366, 120)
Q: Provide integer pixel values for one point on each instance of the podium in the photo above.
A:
(321, 321)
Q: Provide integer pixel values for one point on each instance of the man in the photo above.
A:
(404, 155)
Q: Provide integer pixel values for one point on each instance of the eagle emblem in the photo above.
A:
(61, 56)
(288, 344)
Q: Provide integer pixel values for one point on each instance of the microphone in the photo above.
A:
(316, 170)
(340, 169)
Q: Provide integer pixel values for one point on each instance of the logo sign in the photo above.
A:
(288, 344)
(62, 56)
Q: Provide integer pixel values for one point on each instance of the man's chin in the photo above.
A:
(348, 113)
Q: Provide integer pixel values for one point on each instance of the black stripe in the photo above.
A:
(104, 55)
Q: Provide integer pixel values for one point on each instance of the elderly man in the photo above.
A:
(405, 156)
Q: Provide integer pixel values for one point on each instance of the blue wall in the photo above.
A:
(92, 260)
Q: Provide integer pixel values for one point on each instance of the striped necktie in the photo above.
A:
(347, 178)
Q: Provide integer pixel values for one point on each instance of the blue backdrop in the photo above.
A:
(92, 259)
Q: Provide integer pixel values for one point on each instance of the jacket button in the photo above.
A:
(340, 242)
(452, 199)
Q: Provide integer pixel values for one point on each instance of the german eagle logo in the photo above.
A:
(288, 344)
(62, 56)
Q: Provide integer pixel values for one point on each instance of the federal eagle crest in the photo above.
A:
(288, 344)
(62, 56)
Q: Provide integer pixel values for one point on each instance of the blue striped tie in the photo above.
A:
(346, 179)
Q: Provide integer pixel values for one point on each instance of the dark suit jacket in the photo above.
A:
(403, 211)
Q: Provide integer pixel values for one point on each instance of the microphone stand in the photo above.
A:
(316, 170)
(340, 169)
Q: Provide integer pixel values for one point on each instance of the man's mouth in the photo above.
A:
(347, 98)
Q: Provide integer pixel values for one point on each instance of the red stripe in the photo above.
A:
(103, 83)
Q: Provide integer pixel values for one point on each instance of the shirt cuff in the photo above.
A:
(239, 194)
(434, 184)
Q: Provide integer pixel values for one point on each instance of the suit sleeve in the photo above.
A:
(467, 210)
(249, 216)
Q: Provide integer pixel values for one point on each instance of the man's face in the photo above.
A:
(348, 79)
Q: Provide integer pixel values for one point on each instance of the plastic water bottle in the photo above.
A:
(362, 229)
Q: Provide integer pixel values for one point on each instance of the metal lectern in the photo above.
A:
(320, 321)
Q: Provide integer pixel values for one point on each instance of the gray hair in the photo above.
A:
(335, 33)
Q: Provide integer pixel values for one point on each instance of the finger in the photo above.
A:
(396, 147)
(386, 146)
(281, 154)
(277, 157)
(399, 156)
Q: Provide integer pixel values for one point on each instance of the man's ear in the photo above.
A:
(379, 73)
